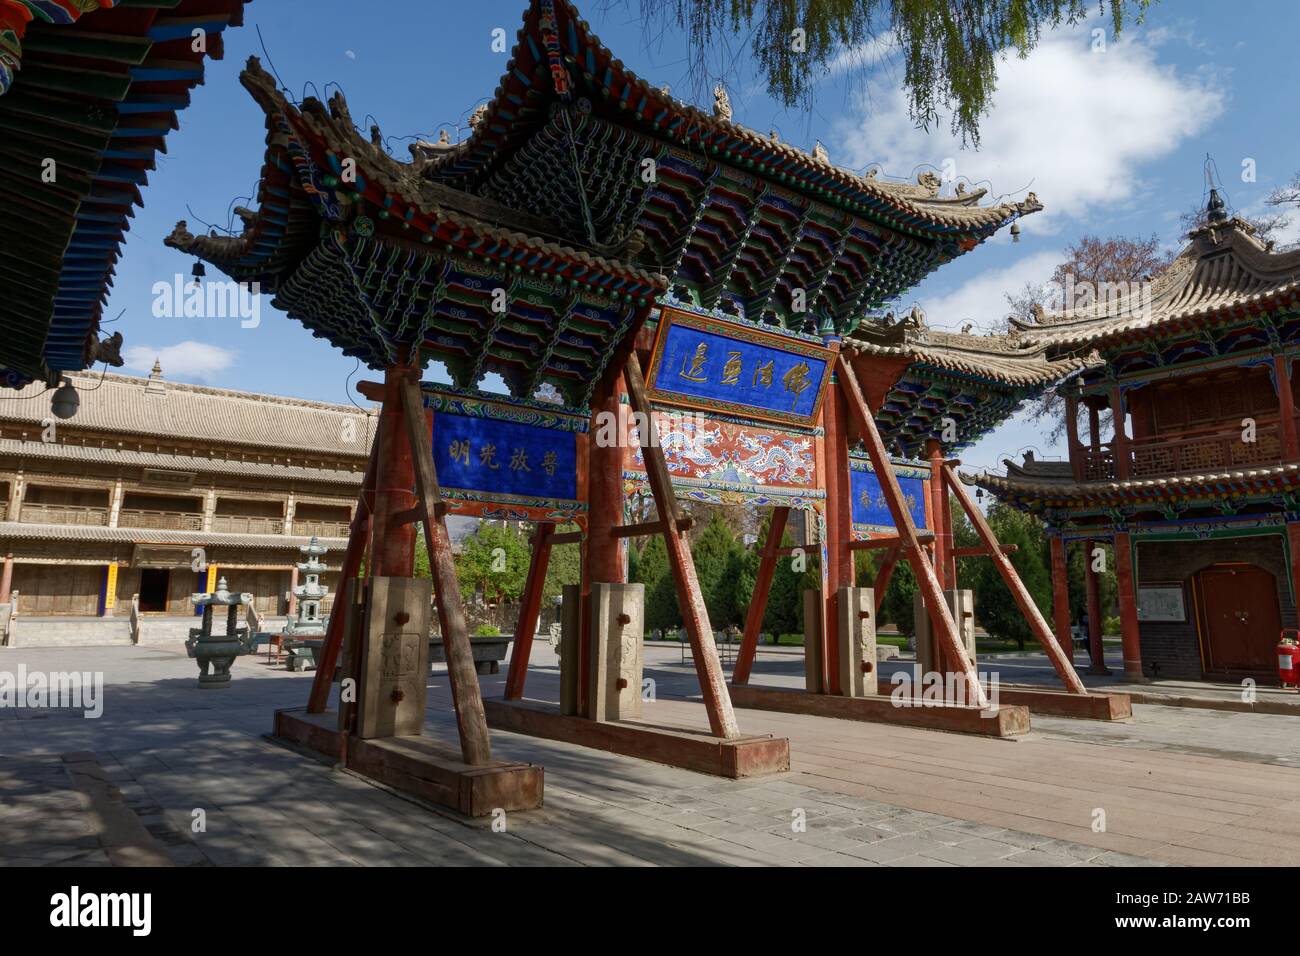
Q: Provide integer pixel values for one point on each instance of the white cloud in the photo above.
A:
(188, 359)
(1074, 126)
(983, 299)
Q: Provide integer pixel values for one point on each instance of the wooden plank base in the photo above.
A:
(690, 750)
(1008, 721)
(1059, 703)
(420, 766)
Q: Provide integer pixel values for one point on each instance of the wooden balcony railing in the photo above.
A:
(247, 524)
(36, 513)
(1190, 452)
(160, 520)
(321, 529)
(1207, 450)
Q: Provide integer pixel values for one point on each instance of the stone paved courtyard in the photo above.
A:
(1178, 785)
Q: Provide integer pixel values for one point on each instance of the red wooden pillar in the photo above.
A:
(392, 542)
(1128, 618)
(1095, 648)
(758, 600)
(1286, 406)
(1119, 446)
(839, 529)
(1061, 596)
(7, 579)
(1072, 435)
(602, 552)
(938, 502)
(1293, 539)
(529, 607)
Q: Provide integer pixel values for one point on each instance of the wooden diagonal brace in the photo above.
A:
(758, 599)
(358, 535)
(1028, 608)
(910, 544)
(695, 616)
(465, 694)
(529, 606)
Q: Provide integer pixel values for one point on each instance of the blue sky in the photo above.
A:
(1111, 139)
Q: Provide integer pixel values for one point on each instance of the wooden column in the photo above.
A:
(1095, 647)
(1061, 596)
(1119, 447)
(839, 530)
(695, 616)
(393, 543)
(1033, 617)
(945, 626)
(291, 599)
(1292, 536)
(7, 579)
(602, 552)
(1286, 406)
(1072, 434)
(758, 600)
(934, 453)
(1128, 618)
(529, 606)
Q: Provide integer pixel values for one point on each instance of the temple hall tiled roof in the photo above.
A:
(1224, 271)
(152, 409)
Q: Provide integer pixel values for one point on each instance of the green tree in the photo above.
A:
(717, 556)
(995, 608)
(494, 561)
(950, 49)
(565, 567)
(897, 608)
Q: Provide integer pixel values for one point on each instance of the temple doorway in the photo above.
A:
(154, 586)
(1239, 619)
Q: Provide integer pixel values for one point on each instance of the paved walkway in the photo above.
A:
(1177, 785)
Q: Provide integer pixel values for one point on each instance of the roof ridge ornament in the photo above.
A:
(721, 103)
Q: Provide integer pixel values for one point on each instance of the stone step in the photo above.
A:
(91, 632)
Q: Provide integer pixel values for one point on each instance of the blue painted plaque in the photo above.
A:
(703, 362)
(869, 506)
(500, 451)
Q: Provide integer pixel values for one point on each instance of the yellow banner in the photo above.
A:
(110, 588)
(212, 578)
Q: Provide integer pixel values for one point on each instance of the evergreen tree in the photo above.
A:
(493, 561)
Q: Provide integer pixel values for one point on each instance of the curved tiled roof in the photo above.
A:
(899, 204)
(1009, 358)
(1224, 269)
(95, 87)
(1053, 479)
(152, 408)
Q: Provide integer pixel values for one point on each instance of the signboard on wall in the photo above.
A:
(497, 457)
(870, 511)
(1161, 602)
(733, 368)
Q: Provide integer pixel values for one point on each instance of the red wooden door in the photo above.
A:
(1240, 619)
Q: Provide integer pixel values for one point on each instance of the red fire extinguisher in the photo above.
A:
(1288, 657)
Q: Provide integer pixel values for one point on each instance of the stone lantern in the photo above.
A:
(216, 652)
(309, 622)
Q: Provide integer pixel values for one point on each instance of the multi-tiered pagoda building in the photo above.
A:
(1196, 481)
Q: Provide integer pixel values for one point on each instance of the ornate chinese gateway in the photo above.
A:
(618, 257)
